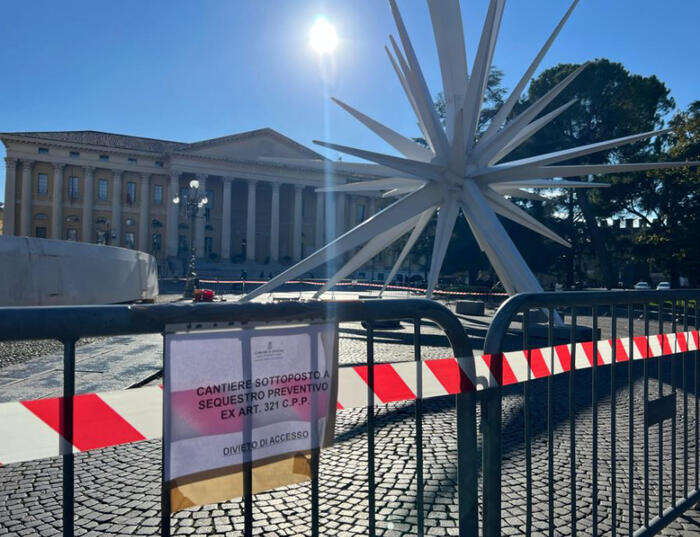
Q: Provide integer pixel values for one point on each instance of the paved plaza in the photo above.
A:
(118, 493)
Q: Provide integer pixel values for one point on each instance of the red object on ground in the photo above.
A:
(203, 295)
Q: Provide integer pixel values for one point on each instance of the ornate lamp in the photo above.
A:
(194, 201)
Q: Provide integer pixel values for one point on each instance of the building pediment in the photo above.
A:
(250, 145)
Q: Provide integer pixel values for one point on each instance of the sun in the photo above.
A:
(322, 37)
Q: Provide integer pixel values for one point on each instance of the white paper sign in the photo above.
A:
(235, 396)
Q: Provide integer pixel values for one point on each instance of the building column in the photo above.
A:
(319, 228)
(250, 222)
(171, 218)
(57, 202)
(298, 189)
(116, 239)
(226, 221)
(372, 206)
(200, 221)
(26, 203)
(143, 212)
(88, 203)
(351, 209)
(340, 215)
(8, 219)
(275, 224)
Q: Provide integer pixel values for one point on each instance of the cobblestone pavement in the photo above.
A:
(111, 363)
(117, 489)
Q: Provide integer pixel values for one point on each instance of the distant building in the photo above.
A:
(116, 189)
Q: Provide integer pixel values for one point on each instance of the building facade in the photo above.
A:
(118, 190)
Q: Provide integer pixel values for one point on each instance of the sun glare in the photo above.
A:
(322, 36)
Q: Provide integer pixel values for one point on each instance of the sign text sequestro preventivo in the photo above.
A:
(262, 393)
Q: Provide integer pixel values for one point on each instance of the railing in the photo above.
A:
(68, 324)
(674, 308)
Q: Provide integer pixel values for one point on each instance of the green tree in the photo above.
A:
(667, 202)
(610, 102)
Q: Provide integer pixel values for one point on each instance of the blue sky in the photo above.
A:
(191, 70)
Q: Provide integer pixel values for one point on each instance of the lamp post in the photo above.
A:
(194, 200)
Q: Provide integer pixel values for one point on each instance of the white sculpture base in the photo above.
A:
(45, 272)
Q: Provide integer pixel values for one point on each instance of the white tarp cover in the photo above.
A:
(260, 395)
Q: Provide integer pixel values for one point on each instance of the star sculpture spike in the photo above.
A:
(458, 172)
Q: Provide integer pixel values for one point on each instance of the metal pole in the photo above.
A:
(66, 415)
(189, 284)
(165, 507)
(491, 456)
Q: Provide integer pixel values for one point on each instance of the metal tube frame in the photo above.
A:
(70, 323)
(491, 403)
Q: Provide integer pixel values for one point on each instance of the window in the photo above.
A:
(209, 205)
(73, 188)
(207, 246)
(182, 246)
(132, 160)
(360, 213)
(183, 196)
(129, 240)
(130, 192)
(157, 194)
(104, 157)
(102, 189)
(74, 154)
(42, 183)
(40, 232)
(40, 216)
(71, 234)
(43, 150)
(158, 163)
(155, 243)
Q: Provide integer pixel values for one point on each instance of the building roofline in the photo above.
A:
(250, 134)
(180, 147)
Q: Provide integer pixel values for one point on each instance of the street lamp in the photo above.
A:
(194, 200)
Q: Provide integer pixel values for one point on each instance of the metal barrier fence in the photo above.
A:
(68, 324)
(671, 307)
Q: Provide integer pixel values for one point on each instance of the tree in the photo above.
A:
(668, 202)
(610, 102)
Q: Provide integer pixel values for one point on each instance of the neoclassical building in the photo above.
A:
(118, 190)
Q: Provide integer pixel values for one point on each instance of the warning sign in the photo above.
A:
(265, 396)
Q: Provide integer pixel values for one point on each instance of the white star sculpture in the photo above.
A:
(457, 170)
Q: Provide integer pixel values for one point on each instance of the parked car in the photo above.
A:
(663, 286)
(641, 285)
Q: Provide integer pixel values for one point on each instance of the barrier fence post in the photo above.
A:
(467, 465)
(66, 425)
(491, 456)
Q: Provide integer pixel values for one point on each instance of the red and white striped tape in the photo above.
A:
(364, 284)
(33, 429)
